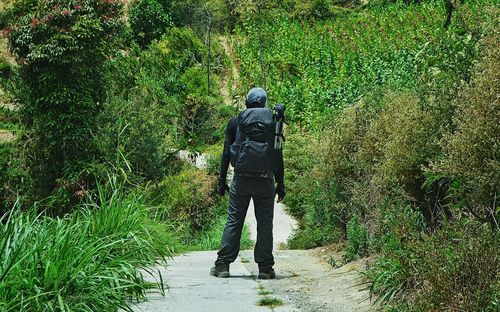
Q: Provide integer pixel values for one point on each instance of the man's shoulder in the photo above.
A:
(233, 122)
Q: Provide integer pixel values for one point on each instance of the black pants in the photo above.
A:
(262, 191)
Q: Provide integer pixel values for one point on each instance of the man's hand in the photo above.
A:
(222, 187)
(280, 191)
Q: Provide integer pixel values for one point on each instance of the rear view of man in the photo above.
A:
(250, 147)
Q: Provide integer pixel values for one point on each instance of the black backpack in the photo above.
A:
(253, 149)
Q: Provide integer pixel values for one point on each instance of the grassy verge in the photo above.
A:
(86, 261)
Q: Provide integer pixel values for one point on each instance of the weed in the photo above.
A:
(264, 292)
(270, 302)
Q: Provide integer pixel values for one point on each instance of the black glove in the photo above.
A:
(280, 191)
(222, 187)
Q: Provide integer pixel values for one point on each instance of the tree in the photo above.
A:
(61, 47)
(149, 20)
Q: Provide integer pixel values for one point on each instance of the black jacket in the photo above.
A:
(232, 127)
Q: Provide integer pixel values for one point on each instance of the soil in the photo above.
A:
(230, 80)
(6, 136)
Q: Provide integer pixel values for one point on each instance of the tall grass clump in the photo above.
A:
(89, 260)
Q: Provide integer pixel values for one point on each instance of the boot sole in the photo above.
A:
(220, 274)
(223, 275)
(266, 276)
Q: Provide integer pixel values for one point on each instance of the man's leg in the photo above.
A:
(239, 200)
(264, 213)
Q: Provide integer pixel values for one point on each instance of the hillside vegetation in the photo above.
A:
(392, 145)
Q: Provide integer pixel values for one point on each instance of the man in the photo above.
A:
(257, 166)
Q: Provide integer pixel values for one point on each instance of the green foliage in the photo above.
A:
(86, 261)
(210, 238)
(5, 69)
(318, 67)
(471, 154)
(157, 103)
(456, 268)
(149, 20)
(61, 48)
(300, 179)
(410, 171)
(314, 9)
(5, 157)
(11, 10)
(357, 240)
(270, 302)
(188, 201)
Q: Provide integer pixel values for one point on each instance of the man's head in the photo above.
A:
(256, 97)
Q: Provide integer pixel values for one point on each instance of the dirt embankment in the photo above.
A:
(230, 80)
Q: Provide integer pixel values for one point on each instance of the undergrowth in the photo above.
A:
(89, 260)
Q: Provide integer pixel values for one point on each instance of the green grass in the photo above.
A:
(86, 261)
(265, 292)
(214, 150)
(270, 302)
(210, 239)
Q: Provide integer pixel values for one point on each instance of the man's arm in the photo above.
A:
(279, 175)
(230, 136)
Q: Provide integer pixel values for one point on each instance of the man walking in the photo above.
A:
(258, 163)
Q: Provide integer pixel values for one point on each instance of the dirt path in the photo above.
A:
(305, 282)
(229, 82)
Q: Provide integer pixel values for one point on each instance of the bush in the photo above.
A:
(61, 48)
(210, 238)
(471, 157)
(5, 69)
(157, 104)
(188, 201)
(454, 269)
(137, 128)
(300, 155)
(149, 20)
(357, 240)
(459, 266)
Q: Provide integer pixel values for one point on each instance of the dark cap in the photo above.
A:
(257, 97)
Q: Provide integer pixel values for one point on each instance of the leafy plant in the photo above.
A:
(86, 261)
(357, 240)
(61, 47)
(149, 20)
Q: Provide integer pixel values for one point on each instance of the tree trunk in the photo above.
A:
(261, 46)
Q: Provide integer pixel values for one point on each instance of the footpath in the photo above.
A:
(189, 287)
(305, 281)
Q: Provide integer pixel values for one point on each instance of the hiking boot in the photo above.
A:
(220, 270)
(267, 274)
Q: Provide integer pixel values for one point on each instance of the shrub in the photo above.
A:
(456, 268)
(299, 178)
(187, 200)
(137, 127)
(210, 238)
(471, 154)
(61, 48)
(459, 266)
(154, 106)
(5, 69)
(357, 240)
(149, 20)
